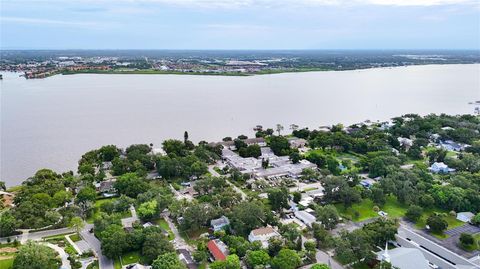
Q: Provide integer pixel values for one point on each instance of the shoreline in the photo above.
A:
(231, 74)
(16, 187)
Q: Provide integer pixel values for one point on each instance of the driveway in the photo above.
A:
(178, 242)
(128, 222)
(103, 261)
(323, 257)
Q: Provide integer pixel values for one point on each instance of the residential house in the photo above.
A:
(440, 168)
(220, 223)
(217, 249)
(367, 183)
(6, 198)
(185, 256)
(105, 186)
(305, 217)
(107, 165)
(405, 142)
(256, 141)
(297, 142)
(452, 146)
(263, 235)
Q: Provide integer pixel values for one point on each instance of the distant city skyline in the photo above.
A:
(240, 24)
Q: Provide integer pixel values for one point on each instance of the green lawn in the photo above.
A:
(127, 258)
(56, 237)
(6, 262)
(96, 209)
(394, 210)
(75, 237)
(365, 209)
(191, 236)
(164, 225)
(451, 220)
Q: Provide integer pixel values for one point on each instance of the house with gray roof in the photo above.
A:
(220, 223)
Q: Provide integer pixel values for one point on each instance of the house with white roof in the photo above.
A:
(440, 167)
(305, 217)
(263, 235)
(465, 216)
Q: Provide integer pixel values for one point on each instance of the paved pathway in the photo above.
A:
(86, 262)
(128, 222)
(74, 245)
(63, 255)
(103, 261)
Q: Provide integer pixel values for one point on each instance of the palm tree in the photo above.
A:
(279, 128)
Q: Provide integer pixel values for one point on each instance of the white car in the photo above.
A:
(382, 213)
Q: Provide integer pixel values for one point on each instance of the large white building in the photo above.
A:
(280, 166)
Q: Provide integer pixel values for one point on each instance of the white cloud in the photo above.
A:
(267, 3)
(247, 3)
(45, 21)
(420, 2)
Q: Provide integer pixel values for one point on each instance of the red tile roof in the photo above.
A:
(216, 251)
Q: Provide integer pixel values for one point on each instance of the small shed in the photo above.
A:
(465, 216)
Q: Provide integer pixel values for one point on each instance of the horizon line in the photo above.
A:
(239, 49)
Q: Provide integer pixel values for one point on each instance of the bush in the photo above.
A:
(436, 223)
(414, 212)
(476, 220)
(466, 239)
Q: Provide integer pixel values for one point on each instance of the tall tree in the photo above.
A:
(35, 256)
(286, 259)
(168, 261)
(279, 128)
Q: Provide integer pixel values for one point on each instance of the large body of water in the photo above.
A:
(50, 123)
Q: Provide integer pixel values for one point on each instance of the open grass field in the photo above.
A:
(365, 209)
(394, 210)
(451, 220)
(6, 262)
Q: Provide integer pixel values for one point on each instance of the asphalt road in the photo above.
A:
(37, 235)
(103, 261)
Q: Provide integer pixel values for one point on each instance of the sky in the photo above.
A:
(240, 24)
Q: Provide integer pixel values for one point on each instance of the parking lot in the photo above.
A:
(467, 228)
